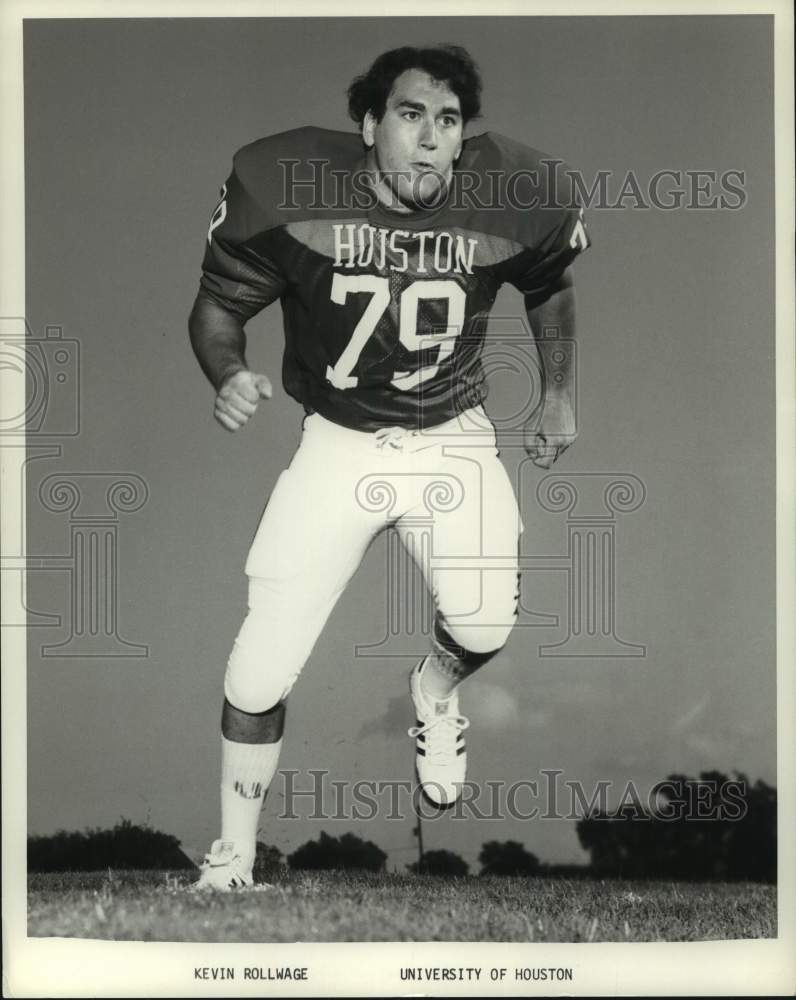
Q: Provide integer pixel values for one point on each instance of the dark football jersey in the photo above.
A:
(385, 313)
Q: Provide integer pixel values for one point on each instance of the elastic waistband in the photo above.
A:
(472, 426)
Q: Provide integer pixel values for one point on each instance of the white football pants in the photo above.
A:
(444, 490)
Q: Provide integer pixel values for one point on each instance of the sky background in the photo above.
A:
(129, 129)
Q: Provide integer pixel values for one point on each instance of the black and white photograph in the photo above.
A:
(397, 478)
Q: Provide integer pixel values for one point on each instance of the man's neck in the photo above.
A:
(384, 192)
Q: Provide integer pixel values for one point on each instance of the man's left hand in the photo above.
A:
(548, 437)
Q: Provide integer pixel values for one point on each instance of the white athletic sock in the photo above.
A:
(247, 770)
(433, 682)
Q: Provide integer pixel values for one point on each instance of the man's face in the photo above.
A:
(417, 140)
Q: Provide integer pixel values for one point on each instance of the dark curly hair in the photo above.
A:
(449, 64)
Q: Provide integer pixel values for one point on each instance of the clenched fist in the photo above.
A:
(238, 397)
(549, 435)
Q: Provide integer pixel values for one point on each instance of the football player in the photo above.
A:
(386, 271)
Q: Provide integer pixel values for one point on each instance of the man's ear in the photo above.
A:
(369, 129)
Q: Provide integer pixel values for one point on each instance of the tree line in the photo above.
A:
(688, 836)
(696, 833)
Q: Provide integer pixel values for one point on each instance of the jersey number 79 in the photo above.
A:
(341, 375)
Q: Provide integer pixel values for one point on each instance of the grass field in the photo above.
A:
(341, 906)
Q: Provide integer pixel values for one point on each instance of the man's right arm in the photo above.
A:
(219, 343)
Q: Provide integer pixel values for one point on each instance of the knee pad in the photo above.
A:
(256, 728)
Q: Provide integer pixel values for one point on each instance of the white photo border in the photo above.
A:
(66, 967)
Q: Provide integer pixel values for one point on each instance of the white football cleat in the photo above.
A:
(440, 753)
(223, 869)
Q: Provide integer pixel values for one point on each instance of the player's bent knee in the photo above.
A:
(473, 645)
(485, 641)
(254, 683)
(252, 697)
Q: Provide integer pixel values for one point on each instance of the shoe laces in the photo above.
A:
(441, 732)
(222, 852)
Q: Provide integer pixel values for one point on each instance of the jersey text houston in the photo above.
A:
(385, 313)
